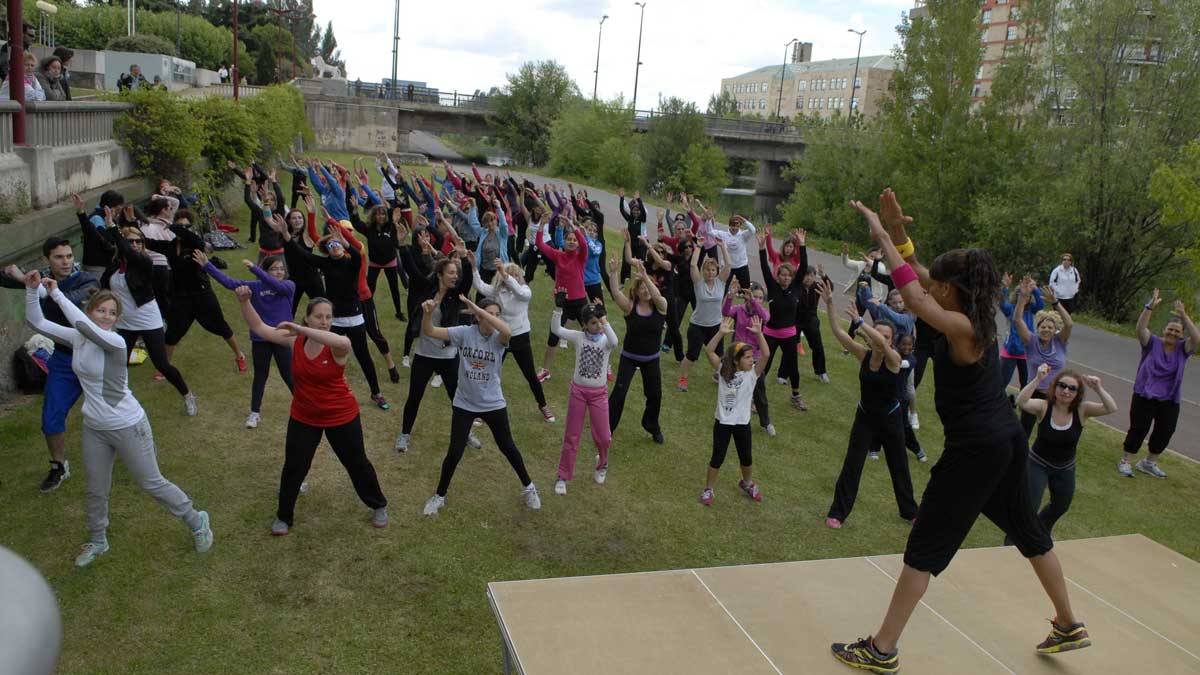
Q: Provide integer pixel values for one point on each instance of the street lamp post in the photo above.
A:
(638, 69)
(395, 50)
(854, 82)
(596, 81)
(782, 73)
(236, 76)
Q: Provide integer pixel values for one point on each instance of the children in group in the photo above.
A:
(589, 390)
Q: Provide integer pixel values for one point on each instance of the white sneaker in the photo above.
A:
(473, 440)
(562, 344)
(1148, 467)
(434, 504)
(189, 405)
(402, 442)
(304, 488)
(437, 381)
(379, 518)
(203, 534)
(771, 430)
(1125, 469)
(90, 552)
(824, 378)
(253, 420)
(873, 456)
(406, 362)
(781, 380)
(560, 487)
(532, 500)
(601, 474)
(914, 421)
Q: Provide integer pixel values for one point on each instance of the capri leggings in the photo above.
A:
(740, 433)
(362, 353)
(423, 370)
(787, 367)
(156, 346)
(698, 337)
(521, 347)
(202, 308)
(393, 280)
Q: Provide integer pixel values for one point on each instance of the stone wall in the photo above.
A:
(341, 127)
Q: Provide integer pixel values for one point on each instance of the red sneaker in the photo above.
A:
(159, 377)
(706, 497)
(682, 386)
(751, 490)
(543, 375)
(241, 363)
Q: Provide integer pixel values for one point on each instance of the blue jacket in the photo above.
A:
(905, 323)
(591, 269)
(501, 234)
(333, 197)
(1013, 344)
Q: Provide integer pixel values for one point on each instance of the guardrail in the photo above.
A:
(642, 118)
(7, 109)
(414, 94)
(63, 123)
(225, 90)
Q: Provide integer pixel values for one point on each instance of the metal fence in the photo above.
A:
(728, 125)
(414, 94)
(63, 123)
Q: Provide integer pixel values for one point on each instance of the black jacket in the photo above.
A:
(139, 269)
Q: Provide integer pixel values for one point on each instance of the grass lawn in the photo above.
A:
(339, 596)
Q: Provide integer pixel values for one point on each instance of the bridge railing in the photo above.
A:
(65, 123)
(413, 94)
(641, 118)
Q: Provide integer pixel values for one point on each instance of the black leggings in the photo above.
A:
(347, 443)
(922, 359)
(570, 312)
(698, 338)
(261, 353)
(870, 431)
(651, 386)
(673, 338)
(759, 397)
(371, 324)
(362, 353)
(423, 368)
(460, 428)
(314, 290)
(202, 308)
(156, 346)
(788, 367)
(1144, 411)
(811, 328)
(1028, 421)
(521, 347)
(740, 433)
(393, 280)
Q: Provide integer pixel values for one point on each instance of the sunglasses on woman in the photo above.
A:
(1067, 387)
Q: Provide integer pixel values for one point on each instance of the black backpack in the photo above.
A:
(30, 375)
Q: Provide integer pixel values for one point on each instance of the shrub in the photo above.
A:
(161, 133)
(701, 170)
(93, 27)
(617, 162)
(279, 118)
(230, 133)
(142, 43)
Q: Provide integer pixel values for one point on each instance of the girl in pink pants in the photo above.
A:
(589, 390)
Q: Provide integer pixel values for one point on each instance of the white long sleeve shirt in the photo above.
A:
(858, 266)
(591, 352)
(99, 361)
(737, 244)
(513, 297)
(1064, 282)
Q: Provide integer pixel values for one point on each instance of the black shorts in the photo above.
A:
(987, 475)
(697, 339)
(202, 308)
(570, 312)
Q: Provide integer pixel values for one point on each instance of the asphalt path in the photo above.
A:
(1113, 358)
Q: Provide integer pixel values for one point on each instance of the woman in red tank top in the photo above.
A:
(322, 404)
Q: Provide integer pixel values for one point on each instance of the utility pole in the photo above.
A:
(236, 76)
(638, 69)
(854, 82)
(782, 74)
(596, 81)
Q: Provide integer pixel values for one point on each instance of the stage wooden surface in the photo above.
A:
(984, 614)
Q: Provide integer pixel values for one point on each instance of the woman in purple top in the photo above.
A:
(1158, 388)
(1047, 345)
(272, 299)
(754, 305)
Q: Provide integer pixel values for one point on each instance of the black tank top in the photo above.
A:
(970, 400)
(1055, 448)
(643, 334)
(877, 387)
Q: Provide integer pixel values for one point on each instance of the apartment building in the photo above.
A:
(814, 88)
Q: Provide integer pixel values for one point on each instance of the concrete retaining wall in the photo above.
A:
(341, 127)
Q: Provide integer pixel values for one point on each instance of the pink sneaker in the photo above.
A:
(547, 414)
(751, 490)
(706, 497)
(833, 523)
(241, 364)
(159, 377)
(543, 375)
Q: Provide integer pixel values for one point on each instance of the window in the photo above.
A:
(802, 85)
(800, 104)
(979, 73)
(762, 104)
(727, 89)
(764, 87)
(1014, 14)
(983, 35)
(987, 17)
(857, 82)
(830, 103)
(854, 103)
(975, 91)
(1011, 34)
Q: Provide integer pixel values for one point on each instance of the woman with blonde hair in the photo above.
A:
(1049, 344)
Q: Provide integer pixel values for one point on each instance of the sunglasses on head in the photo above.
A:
(1067, 387)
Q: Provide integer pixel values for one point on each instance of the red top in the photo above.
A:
(568, 266)
(320, 395)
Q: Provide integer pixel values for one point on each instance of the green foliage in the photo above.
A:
(161, 133)
(532, 100)
(94, 26)
(142, 42)
(231, 132)
(667, 140)
(617, 162)
(279, 118)
(724, 105)
(1177, 188)
(576, 136)
(701, 171)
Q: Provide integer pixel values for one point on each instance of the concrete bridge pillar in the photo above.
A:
(770, 187)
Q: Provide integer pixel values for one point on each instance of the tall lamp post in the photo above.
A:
(236, 77)
(638, 68)
(395, 50)
(854, 82)
(596, 81)
(782, 73)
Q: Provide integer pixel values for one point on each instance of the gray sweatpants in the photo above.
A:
(135, 445)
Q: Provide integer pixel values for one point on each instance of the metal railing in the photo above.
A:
(225, 90)
(63, 123)
(7, 109)
(729, 125)
(414, 94)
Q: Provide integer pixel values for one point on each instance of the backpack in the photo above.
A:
(28, 372)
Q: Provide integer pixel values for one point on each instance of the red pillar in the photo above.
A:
(16, 68)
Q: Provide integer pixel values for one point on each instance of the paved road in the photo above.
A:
(1114, 358)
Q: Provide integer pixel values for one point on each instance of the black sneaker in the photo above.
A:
(394, 375)
(400, 317)
(58, 473)
(863, 655)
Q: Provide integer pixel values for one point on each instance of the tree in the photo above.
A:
(329, 50)
(1176, 187)
(674, 128)
(528, 106)
(724, 105)
(701, 170)
(576, 136)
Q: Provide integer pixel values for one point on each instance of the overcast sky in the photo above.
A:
(687, 45)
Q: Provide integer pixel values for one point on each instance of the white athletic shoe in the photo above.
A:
(304, 488)
(914, 421)
(601, 474)
(253, 420)
(379, 518)
(560, 487)
(1148, 467)
(771, 430)
(90, 552)
(562, 344)
(532, 500)
(402, 442)
(781, 380)
(473, 440)
(406, 362)
(437, 381)
(189, 405)
(1125, 469)
(434, 504)
(203, 534)
(824, 378)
